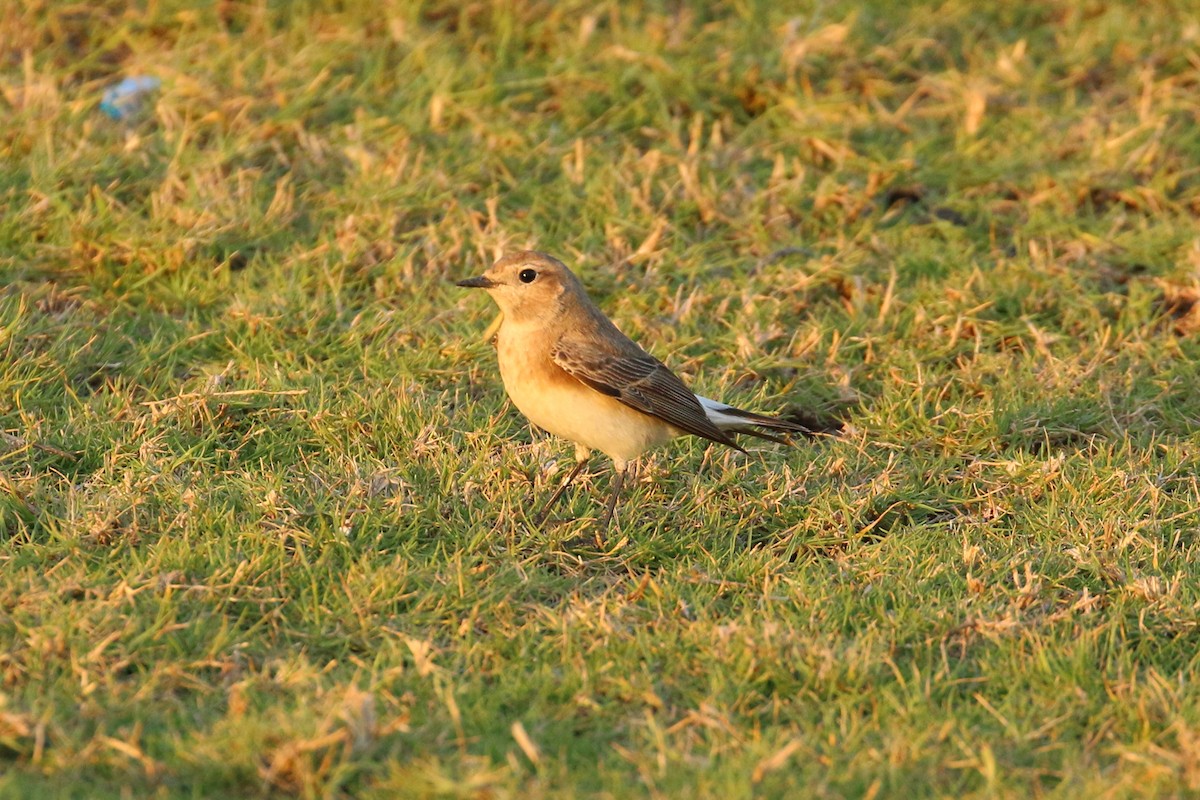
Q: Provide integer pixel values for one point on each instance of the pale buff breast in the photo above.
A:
(561, 405)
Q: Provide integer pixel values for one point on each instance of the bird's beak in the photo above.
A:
(481, 282)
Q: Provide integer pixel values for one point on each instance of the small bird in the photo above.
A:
(572, 373)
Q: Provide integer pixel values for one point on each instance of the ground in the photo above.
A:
(264, 507)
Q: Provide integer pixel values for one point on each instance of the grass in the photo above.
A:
(263, 502)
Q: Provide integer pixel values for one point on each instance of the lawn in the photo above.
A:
(265, 508)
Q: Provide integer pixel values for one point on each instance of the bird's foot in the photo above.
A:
(588, 541)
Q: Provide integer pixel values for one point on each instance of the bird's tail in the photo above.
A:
(735, 420)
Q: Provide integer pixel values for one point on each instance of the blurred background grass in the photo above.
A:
(262, 497)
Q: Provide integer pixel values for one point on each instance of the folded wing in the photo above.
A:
(626, 372)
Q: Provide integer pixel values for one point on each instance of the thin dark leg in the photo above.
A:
(618, 480)
(562, 487)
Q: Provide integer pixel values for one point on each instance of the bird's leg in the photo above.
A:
(618, 480)
(581, 459)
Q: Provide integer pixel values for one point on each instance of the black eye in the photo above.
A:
(527, 275)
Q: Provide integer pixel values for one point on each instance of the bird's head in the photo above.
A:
(527, 285)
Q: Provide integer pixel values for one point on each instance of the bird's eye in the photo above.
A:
(527, 275)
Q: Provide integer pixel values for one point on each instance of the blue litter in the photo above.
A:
(123, 99)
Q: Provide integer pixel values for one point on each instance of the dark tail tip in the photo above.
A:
(813, 425)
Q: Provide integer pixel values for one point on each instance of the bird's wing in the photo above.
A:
(623, 370)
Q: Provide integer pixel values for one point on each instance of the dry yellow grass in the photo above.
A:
(264, 505)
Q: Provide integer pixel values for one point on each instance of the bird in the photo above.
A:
(574, 374)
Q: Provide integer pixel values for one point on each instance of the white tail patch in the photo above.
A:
(715, 413)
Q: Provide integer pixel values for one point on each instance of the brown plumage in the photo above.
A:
(571, 372)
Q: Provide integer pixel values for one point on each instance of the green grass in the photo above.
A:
(263, 502)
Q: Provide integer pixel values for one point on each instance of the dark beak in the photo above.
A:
(482, 282)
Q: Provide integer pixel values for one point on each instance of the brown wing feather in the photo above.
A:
(625, 371)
